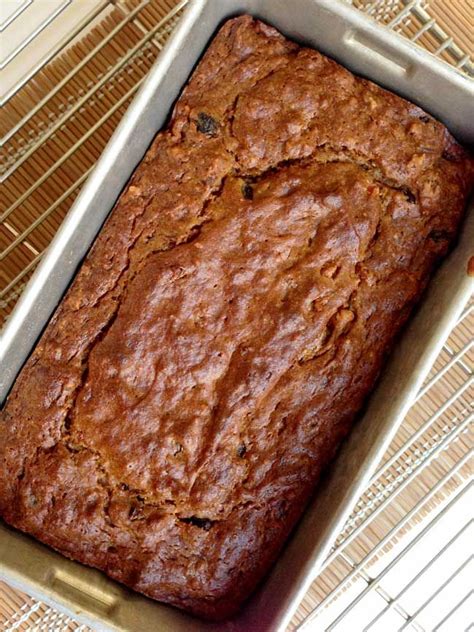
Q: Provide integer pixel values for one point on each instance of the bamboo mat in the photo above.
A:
(63, 117)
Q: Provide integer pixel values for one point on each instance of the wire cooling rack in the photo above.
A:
(400, 562)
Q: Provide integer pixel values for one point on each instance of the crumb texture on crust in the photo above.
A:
(229, 321)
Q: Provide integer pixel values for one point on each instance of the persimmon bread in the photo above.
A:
(229, 322)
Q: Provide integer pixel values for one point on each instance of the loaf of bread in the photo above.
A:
(229, 322)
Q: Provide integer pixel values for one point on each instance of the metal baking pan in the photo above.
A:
(368, 49)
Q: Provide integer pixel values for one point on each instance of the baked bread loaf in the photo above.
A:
(229, 322)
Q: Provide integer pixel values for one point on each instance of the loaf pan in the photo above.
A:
(370, 50)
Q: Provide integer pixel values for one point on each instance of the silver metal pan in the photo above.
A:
(368, 49)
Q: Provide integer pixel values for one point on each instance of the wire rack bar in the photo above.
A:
(469, 309)
(459, 65)
(74, 72)
(82, 101)
(437, 591)
(21, 274)
(53, 53)
(446, 44)
(376, 580)
(420, 13)
(34, 34)
(39, 220)
(386, 492)
(6, 23)
(24, 618)
(412, 475)
(426, 27)
(423, 428)
(378, 589)
(386, 539)
(453, 610)
(416, 9)
(461, 362)
(393, 602)
(449, 365)
(15, 233)
(71, 151)
(409, 7)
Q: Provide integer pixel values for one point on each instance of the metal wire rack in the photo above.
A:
(425, 474)
(56, 119)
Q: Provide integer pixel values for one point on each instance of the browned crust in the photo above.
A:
(229, 321)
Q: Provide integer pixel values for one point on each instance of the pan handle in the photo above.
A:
(377, 52)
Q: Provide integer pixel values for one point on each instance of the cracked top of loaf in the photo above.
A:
(229, 321)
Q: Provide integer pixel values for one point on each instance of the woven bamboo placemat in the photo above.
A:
(55, 127)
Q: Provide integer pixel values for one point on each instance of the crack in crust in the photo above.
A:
(323, 154)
